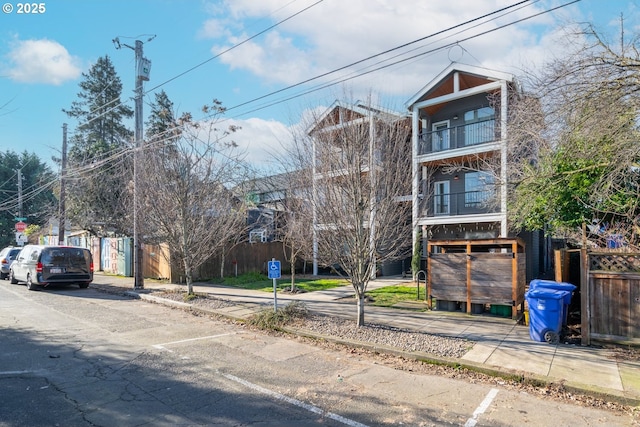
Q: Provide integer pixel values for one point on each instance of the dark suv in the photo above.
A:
(7, 256)
(39, 265)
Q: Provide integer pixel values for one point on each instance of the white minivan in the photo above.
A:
(39, 265)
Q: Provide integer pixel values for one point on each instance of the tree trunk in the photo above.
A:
(293, 273)
(222, 264)
(189, 278)
(360, 321)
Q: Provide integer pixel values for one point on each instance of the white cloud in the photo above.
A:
(213, 28)
(262, 141)
(41, 61)
(259, 142)
(332, 35)
(276, 59)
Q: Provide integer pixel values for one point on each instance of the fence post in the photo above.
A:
(585, 298)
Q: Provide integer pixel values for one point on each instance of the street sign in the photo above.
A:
(274, 269)
(21, 238)
(21, 226)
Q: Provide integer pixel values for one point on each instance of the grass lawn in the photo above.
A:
(387, 296)
(260, 282)
(391, 295)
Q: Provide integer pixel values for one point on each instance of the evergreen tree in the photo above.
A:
(162, 128)
(162, 120)
(100, 160)
(38, 200)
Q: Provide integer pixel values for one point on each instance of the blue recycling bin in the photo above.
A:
(559, 286)
(546, 308)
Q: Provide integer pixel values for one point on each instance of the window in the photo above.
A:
(479, 125)
(478, 188)
(440, 136)
(441, 198)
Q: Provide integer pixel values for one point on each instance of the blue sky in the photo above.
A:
(43, 55)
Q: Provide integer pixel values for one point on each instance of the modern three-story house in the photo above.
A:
(361, 174)
(460, 155)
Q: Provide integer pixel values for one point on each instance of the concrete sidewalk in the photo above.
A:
(502, 347)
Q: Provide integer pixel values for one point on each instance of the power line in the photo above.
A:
(324, 86)
(321, 75)
(205, 61)
(110, 160)
(379, 54)
(363, 73)
(236, 45)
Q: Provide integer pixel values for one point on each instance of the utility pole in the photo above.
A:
(143, 66)
(20, 218)
(138, 278)
(19, 171)
(62, 210)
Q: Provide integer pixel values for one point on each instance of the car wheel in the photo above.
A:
(12, 279)
(83, 285)
(30, 284)
(3, 276)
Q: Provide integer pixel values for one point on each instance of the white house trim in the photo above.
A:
(462, 219)
(460, 94)
(463, 68)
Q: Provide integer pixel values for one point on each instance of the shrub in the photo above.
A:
(275, 320)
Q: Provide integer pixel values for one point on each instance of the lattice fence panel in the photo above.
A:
(621, 262)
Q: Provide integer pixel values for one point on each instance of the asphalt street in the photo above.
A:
(82, 357)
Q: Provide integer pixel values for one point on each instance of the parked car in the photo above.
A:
(38, 265)
(7, 256)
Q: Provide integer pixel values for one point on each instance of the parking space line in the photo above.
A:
(163, 345)
(471, 422)
(18, 372)
(296, 402)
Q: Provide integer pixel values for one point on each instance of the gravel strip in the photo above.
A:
(198, 301)
(402, 339)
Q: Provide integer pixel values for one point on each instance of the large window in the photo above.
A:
(440, 136)
(441, 198)
(478, 189)
(479, 125)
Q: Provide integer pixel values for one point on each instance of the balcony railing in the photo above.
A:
(458, 137)
(468, 203)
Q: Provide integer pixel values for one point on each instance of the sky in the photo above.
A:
(268, 61)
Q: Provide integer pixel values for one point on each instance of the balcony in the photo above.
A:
(467, 203)
(461, 136)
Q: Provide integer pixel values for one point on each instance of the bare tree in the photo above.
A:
(358, 191)
(574, 147)
(186, 198)
(295, 232)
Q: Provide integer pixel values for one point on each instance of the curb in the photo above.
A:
(512, 375)
(506, 374)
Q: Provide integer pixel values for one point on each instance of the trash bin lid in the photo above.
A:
(552, 284)
(546, 293)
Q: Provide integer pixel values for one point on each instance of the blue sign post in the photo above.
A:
(274, 273)
(274, 269)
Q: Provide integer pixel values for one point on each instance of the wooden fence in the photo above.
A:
(244, 258)
(491, 271)
(610, 297)
(115, 256)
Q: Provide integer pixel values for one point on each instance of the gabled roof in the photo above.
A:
(469, 76)
(357, 110)
(266, 184)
